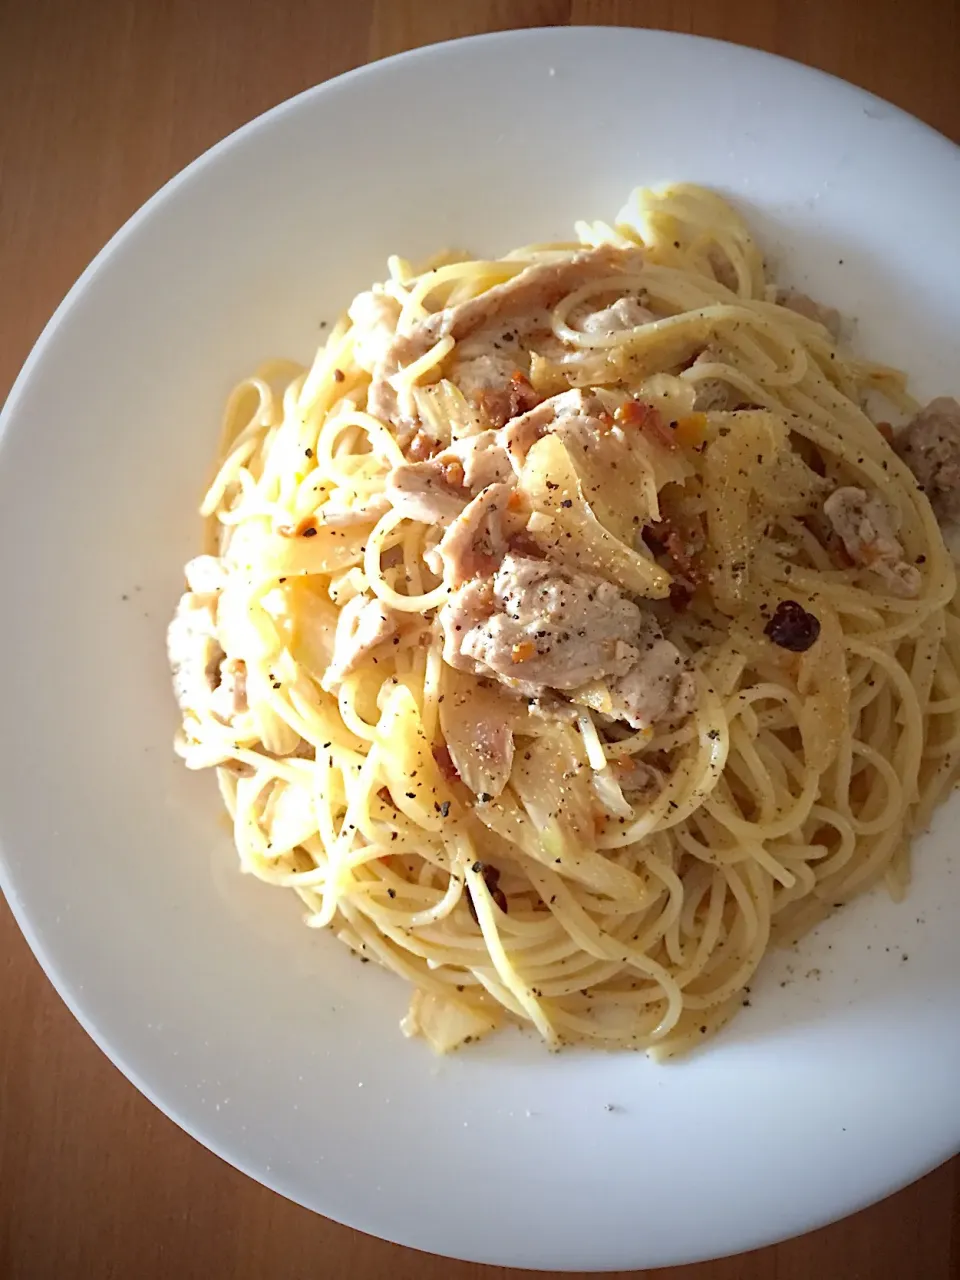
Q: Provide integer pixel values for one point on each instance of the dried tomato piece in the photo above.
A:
(792, 628)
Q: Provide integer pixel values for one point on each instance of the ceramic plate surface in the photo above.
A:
(266, 1041)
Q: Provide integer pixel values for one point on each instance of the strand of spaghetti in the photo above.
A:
(371, 566)
(528, 1002)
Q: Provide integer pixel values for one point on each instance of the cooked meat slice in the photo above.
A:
(868, 529)
(477, 540)
(194, 650)
(535, 288)
(657, 688)
(930, 446)
(627, 312)
(334, 517)
(512, 396)
(435, 492)
(492, 365)
(481, 371)
(484, 460)
(724, 271)
(804, 305)
(428, 491)
(714, 395)
(494, 381)
(636, 776)
(541, 627)
(374, 315)
(519, 436)
(467, 609)
(205, 575)
(364, 623)
(550, 628)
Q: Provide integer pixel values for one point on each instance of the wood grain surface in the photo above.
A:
(100, 103)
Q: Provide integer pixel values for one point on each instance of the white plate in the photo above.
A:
(266, 1041)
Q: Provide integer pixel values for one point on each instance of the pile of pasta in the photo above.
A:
(599, 914)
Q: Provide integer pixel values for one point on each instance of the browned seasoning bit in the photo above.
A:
(338, 375)
(792, 628)
(444, 762)
(491, 878)
(680, 596)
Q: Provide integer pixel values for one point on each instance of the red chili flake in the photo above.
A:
(792, 628)
(338, 375)
(644, 416)
(886, 431)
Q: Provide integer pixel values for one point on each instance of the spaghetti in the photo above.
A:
(569, 631)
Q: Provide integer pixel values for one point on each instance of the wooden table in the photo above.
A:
(100, 102)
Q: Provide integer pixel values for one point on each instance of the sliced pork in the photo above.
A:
(627, 312)
(436, 491)
(636, 776)
(537, 626)
(536, 288)
(331, 516)
(930, 446)
(657, 688)
(205, 680)
(194, 650)
(374, 315)
(868, 529)
(804, 305)
(520, 435)
(363, 625)
(477, 540)
(205, 575)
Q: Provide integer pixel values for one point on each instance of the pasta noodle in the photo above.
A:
(639, 426)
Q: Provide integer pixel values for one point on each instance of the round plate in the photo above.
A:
(266, 1041)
